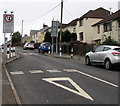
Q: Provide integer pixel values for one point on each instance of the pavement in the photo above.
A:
(9, 95)
(8, 90)
(66, 56)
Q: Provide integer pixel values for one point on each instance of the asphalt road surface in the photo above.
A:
(41, 79)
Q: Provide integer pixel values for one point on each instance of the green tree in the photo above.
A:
(66, 36)
(73, 37)
(16, 38)
(48, 37)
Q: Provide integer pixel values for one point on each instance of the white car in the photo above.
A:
(104, 55)
(28, 46)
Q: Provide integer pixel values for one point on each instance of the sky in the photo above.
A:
(35, 13)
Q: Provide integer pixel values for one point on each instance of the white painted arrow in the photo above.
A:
(80, 91)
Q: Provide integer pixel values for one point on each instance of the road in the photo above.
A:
(41, 79)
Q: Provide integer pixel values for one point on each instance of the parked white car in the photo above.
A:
(28, 46)
(104, 55)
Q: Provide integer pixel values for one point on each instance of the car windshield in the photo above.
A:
(45, 44)
(117, 49)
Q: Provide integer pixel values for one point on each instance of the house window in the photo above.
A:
(81, 36)
(98, 29)
(74, 30)
(118, 23)
(81, 22)
(107, 27)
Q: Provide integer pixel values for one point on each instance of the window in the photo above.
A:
(81, 22)
(99, 49)
(74, 30)
(98, 29)
(106, 48)
(117, 49)
(107, 27)
(81, 36)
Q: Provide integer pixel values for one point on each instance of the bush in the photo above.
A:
(110, 41)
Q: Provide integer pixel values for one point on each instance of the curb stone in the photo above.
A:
(11, 82)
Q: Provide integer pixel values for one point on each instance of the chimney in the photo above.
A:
(44, 26)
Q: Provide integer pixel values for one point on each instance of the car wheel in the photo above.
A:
(87, 61)
(108, 64)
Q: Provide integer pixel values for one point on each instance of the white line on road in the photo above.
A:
(53, 71)
(17, 73)
(97, 78)
(70, 70)
(80, 91)
(35, 71)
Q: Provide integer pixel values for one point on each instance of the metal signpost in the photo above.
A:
(8, 27)
(54, 33)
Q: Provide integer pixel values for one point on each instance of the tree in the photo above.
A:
(73, 37)
(16, 38)
(48, 37)
(66, 36)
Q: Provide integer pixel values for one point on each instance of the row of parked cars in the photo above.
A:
(106, 55)
(43, 47)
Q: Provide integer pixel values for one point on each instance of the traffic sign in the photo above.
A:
(54, 31)
(8, 18)
(8, 23)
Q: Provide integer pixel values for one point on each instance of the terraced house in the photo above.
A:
(110, 26)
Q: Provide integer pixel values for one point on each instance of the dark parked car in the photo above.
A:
(44, 47)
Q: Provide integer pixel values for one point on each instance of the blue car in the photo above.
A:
(44, 47)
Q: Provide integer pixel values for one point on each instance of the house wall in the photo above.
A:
(87, 29)
(28, 39)
(34, 37)
(115, 33)
(72, 29)
(40, 36)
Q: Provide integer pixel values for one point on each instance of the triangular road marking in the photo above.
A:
(80, 91)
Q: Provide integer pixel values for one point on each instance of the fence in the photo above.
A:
(78, 48)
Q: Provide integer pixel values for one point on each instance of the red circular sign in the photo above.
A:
(8, 18)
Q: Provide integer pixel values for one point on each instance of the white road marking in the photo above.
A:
(31, 54)
(52, 71)
(35, 71)
(97, 78)
(80, 91)
(70, 70)
(17, 73)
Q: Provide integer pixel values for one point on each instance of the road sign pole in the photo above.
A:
(5, 47)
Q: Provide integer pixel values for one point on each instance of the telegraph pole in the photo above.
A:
(22, 28)
(21, 32)
(61, 28)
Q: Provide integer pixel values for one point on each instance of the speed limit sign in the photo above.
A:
(8, 23)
